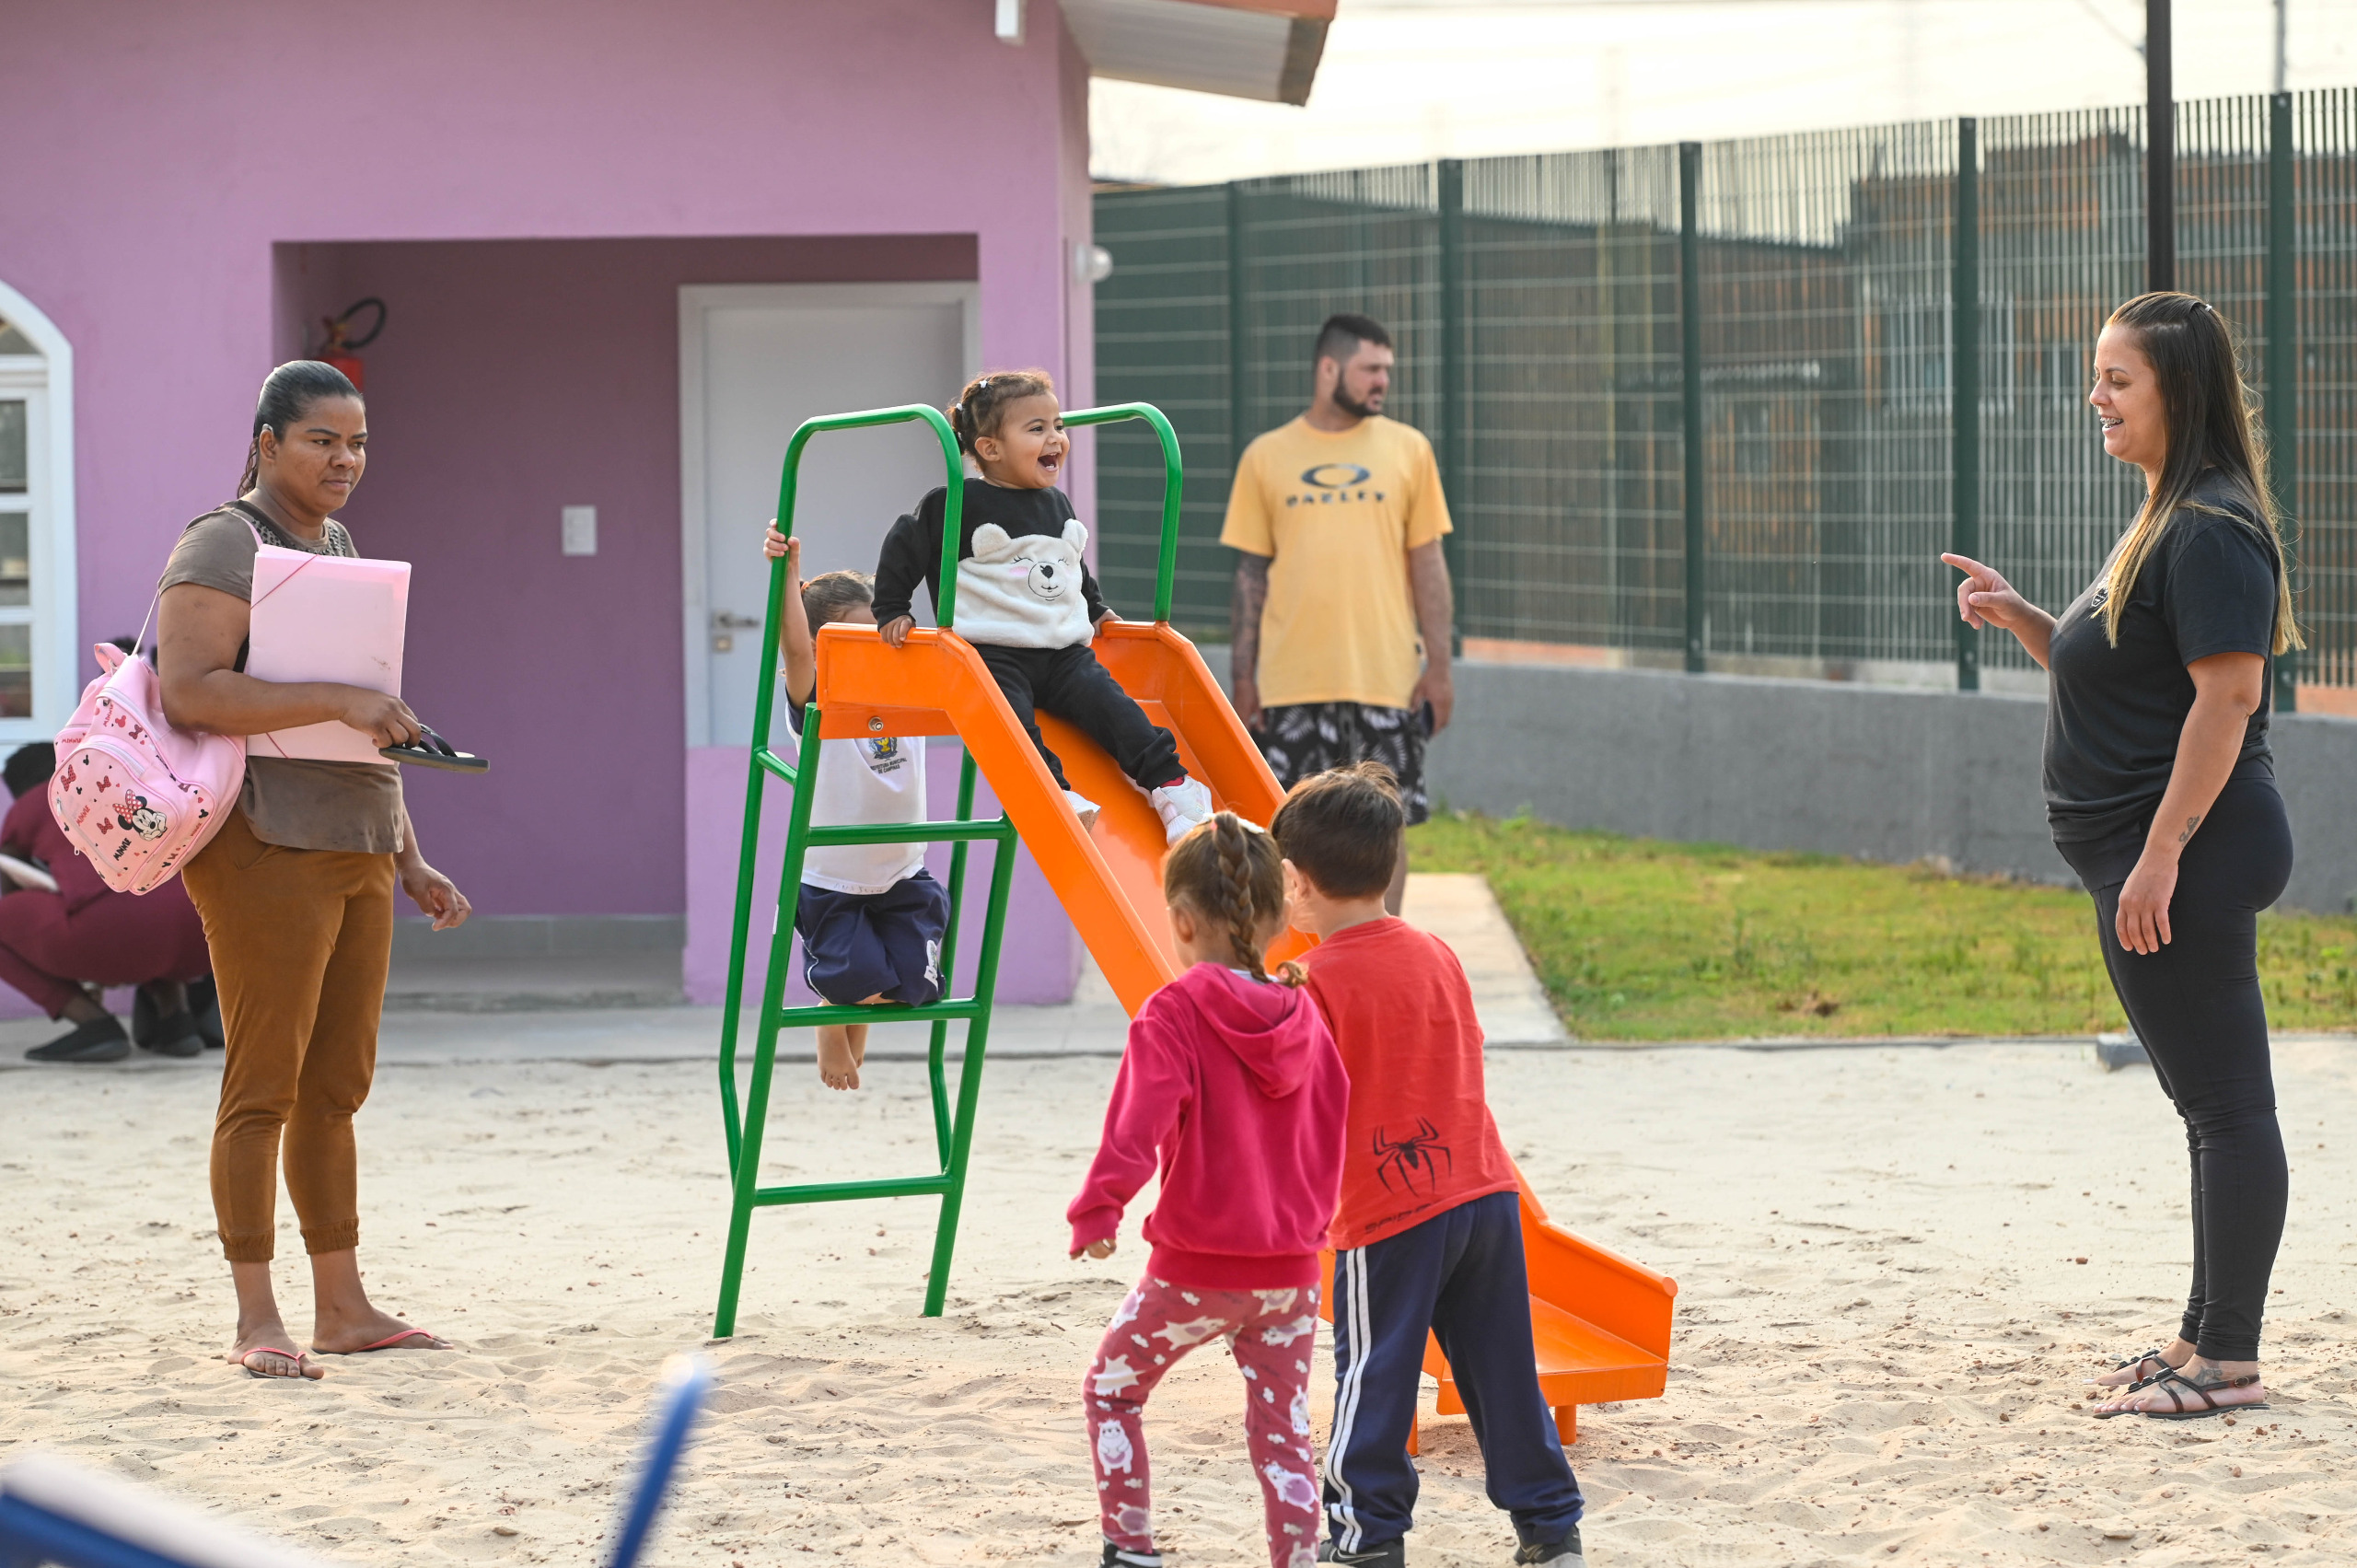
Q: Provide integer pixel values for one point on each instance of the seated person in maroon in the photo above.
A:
(53, 945)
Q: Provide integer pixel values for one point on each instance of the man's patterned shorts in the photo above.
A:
(1302, 738)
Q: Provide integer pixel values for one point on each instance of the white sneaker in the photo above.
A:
(1182, 805)
(1082, 807)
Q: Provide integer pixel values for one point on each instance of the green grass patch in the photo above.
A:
(1639, 939)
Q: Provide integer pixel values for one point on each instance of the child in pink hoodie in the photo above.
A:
(1232, 1084)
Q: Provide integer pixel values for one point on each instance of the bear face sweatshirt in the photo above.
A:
(911, 555)
(1232, 1088)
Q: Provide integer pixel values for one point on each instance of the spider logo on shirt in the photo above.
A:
(1408, 1158)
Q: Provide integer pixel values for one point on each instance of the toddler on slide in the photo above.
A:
(1232, 1084)
(870, 916)
(1026, 601)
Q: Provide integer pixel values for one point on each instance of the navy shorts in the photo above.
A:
(856, 945)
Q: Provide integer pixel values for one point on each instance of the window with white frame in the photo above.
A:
(24, 383)
(40, 675)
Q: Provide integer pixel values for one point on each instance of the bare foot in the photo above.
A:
(842, 1049)
(347, 1336)
(264, 1349)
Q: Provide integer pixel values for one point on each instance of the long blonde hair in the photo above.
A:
(2207, 404)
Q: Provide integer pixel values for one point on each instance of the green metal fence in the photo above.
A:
(1705, 406)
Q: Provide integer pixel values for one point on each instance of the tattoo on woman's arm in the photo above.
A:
(2190, 823)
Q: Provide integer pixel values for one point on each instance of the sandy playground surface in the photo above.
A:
(1882, 1327)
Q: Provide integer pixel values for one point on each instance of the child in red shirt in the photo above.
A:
(1231, 1084)
(1429, 1233)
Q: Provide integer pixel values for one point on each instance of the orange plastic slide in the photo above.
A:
(1110, 879)
(1600, 1323)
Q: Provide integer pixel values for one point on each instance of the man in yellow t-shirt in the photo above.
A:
(1341, 614)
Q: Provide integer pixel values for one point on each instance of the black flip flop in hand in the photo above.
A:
(433, 751)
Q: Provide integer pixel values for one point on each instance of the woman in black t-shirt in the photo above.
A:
(2160, 790)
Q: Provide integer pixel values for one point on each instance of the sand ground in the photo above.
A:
(1882, 1325)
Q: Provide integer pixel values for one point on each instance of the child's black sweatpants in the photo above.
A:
(1459, 1274)
(1070, 684)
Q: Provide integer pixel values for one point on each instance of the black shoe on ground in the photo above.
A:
(1393, 1554)
(175, 1035)
(165, 1034)
(100, 1040)
(204, 1004)
(1119, 1556)
(1563, 1553)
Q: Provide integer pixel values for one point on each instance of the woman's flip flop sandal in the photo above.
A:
(389, 1342)
(295, 1356)
(433, 751)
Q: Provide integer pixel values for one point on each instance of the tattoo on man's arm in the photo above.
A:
(2190, 824)
(1244, 609)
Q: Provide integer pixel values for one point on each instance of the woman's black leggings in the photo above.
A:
(2196, 1005)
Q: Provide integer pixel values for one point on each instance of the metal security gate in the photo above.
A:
(1541, 310)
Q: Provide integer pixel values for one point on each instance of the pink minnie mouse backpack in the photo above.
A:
(136, 797)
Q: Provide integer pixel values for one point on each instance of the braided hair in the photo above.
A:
(286, 397)
(980, 407)
(1228, 872)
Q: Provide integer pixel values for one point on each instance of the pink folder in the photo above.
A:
(326, 618)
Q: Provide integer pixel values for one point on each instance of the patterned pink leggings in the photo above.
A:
(1270, 1332)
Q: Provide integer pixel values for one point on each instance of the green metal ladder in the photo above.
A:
(952, 1126)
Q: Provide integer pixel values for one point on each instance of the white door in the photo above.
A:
(755, 361)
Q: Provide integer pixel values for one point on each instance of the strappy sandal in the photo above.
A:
(2169, 1382)
(2142, 1378)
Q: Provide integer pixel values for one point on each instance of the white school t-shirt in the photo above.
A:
(865, 781)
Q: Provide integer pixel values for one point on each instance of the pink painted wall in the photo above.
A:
(180, 224)
(520, 376)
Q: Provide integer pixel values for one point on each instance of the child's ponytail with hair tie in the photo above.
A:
(976, 413)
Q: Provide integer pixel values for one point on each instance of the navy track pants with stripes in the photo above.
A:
(1460, 1275)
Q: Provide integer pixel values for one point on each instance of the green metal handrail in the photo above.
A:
(1167, 571)
(766, 761)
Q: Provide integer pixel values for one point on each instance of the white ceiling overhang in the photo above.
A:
(1257, 49)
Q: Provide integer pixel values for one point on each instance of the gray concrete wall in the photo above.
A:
(1881, 773)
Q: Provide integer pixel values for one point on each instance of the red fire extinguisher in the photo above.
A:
(339, 350)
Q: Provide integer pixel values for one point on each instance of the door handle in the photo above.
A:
(723, 621)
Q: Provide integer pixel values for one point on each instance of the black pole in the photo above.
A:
(2160, 151)
(1454, 364)
(2283, 406)
(1964, 379)
(1240, 333)
(1689, 321)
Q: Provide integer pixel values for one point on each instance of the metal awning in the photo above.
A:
(1257, 49)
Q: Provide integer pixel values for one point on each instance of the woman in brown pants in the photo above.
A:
(297, 889)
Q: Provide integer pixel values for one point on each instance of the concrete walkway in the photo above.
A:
(485, 1010)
